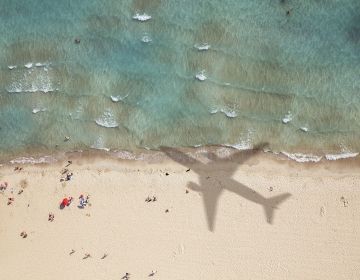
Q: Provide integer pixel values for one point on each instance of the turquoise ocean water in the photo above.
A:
(283, 72)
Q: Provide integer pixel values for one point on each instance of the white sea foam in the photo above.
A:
(229, 113)
(107, 120)
(115, 98)
(28, 65)
(303, 128)
(118, 98)
(141, 17)
(11, 67)
(340, 156)
(243, 145)
(146, 39)
(33, 80)
(39, 64)
(245, 142)
(202, 47)
(287, 118)
(31, 160)
(298, 157)
(37, 110)
(201, 76)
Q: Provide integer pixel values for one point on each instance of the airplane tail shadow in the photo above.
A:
(271, 204)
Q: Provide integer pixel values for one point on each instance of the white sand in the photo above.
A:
(315, 233)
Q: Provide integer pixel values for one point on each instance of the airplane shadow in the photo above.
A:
(211, 187)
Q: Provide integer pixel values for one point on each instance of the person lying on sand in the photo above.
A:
(3, 186)
(23, 234)
(10, 200)
(65, 170)
(67, 178)
(153, 199)
(66, 202)
(51, 217)
(82, 201)
(87, 255)
(153, 272)
(126, 276)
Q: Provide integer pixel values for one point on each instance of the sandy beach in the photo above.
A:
(207, 220)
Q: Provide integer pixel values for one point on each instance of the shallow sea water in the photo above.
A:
(291, 80)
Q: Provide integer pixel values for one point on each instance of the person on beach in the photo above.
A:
(126, 276)
(64, 171)
(153, 272)
(3, 186)
(10, 200)
(82, 201)
(87, 255)
(69, 176)
(51, 217)
(153, 199)
(66, 202)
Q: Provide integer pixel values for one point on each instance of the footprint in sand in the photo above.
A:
(344, 201)
(322, 211)
(180, 251)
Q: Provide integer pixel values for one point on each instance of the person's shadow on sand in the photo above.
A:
(211, 192)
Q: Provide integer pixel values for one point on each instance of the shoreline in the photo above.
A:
(150, 155)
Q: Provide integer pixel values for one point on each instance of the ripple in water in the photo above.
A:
(107, 120)
(146, 39)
